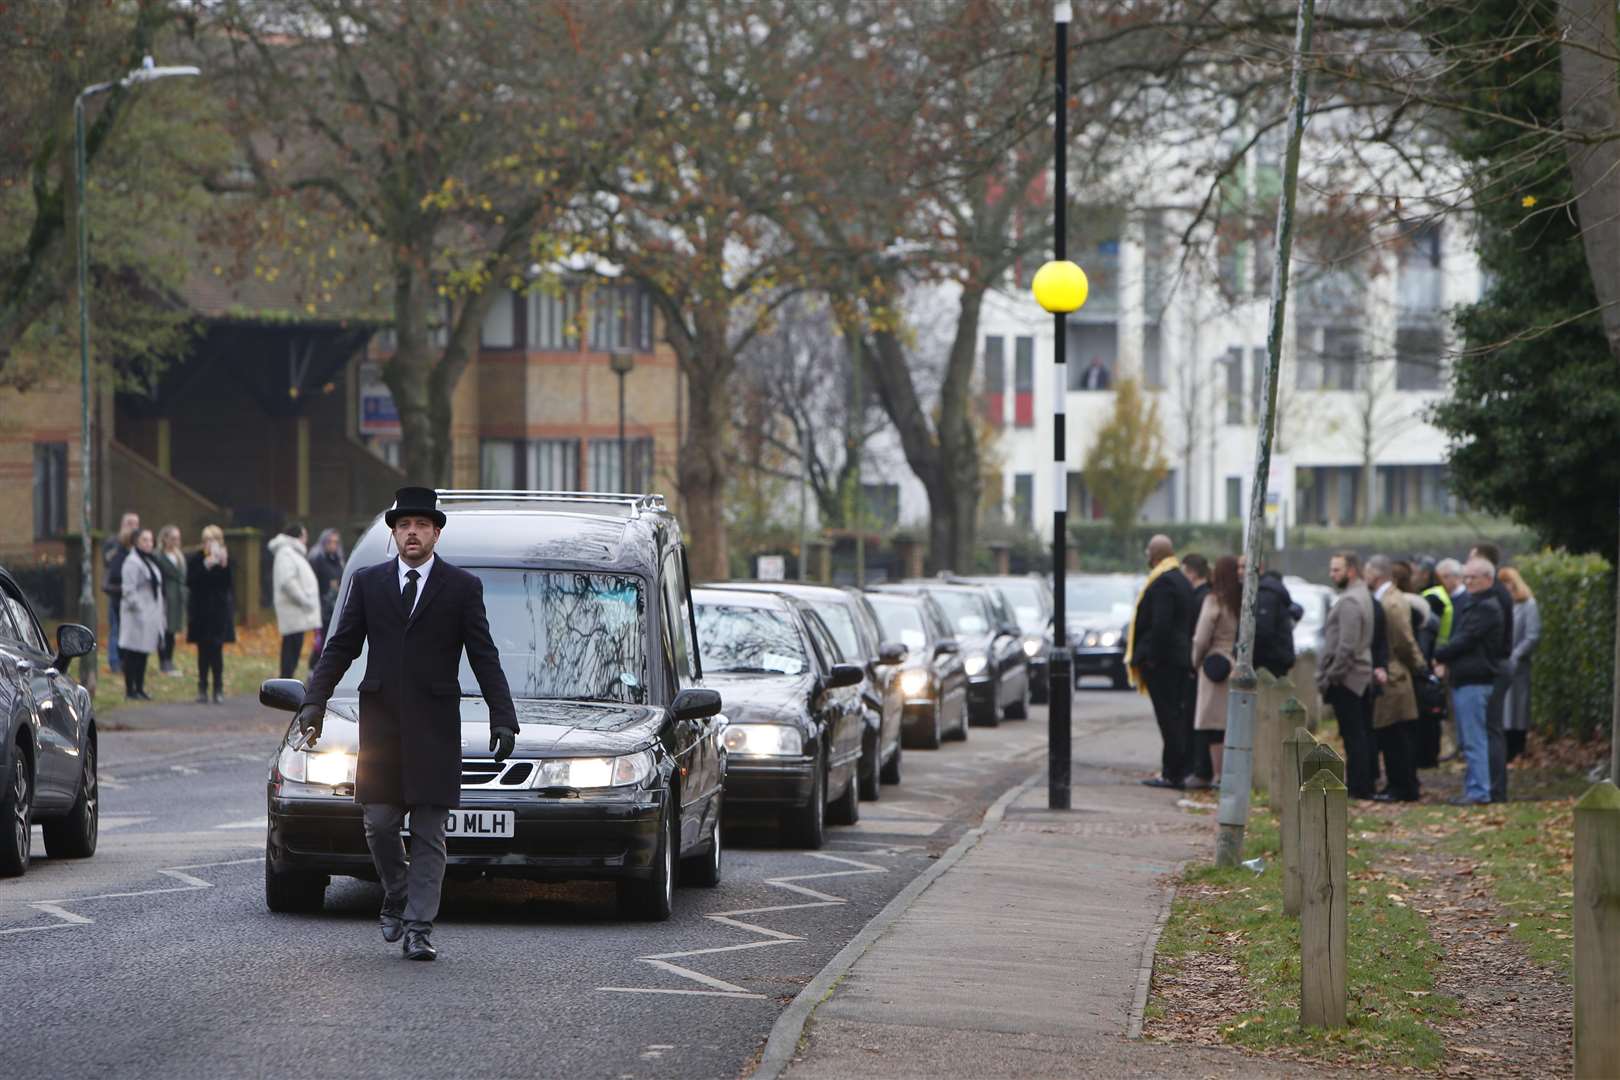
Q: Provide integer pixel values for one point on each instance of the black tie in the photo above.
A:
(408, 594)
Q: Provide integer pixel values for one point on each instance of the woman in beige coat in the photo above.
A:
(1216, 635)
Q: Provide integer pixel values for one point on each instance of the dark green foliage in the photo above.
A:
(1534, 409)
(1574, 664)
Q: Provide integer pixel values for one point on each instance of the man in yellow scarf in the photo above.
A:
(1158, 657)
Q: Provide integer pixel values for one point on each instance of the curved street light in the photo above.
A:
(147, 72)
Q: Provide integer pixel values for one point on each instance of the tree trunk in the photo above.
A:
(707, 362)
(408, 376)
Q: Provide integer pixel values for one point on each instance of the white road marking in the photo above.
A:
(184, 770)
(898, 827)
(721, 988)
(66, 918)
(250, 823)
(122, 821)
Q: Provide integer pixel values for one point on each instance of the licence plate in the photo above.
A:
(477, 824)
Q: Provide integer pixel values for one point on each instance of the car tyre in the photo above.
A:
(17, 816)
(291, 892)
(891, 768)
(704, 868)
(1019, 710)
(806, 827)
(74, 836)
(935, 734)
(869, 767)
(653, 899)
(847, 809)
(960, 732)
(1122, 681)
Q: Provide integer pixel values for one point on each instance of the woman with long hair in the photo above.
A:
(327, 562)
(1214, 641)
(141, 620)
(171, 563)
(211, 614)
(1526, 635)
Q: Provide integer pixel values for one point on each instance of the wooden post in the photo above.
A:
(1319, 757)
(1284, 728)
(1322, 839)
(1597, 932)
(1295, 747)
(1266, 737)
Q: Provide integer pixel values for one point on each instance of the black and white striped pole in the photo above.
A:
(1060, 287)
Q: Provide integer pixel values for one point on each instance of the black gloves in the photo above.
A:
(501, 742)
(310, 718)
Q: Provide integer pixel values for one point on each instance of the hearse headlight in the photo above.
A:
(329, 768)
(595, 772)
(771, 739)
(913, 682)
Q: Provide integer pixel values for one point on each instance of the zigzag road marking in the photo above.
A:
(768, 936)
(67, 919)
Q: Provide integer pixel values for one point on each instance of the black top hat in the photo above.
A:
(415, 500)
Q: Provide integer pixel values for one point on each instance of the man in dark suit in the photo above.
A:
(1159, 656)
(418, 613)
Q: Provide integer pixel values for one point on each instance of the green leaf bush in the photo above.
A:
(1573, 687)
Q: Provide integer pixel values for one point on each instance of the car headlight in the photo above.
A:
(913, 682)
(1031, 646)
(1109, 639)
(329, 768)
(1091, 639)
(974, 663)
(595, 772)
(777, 739)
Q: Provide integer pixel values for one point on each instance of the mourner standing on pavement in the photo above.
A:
(1158, 656)
(1395, 711)
(1495, 733)
(418, 613)
(297, 595)
(1346, 671)
(210, 610)
(327, 562)
(1469, 658)
(113, 554)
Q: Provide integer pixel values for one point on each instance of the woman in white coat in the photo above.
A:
(297, 597)
(1214, 643)
(142, 621)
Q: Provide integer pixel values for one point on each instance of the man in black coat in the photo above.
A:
(418, 613)
(1501, 649)
(1159, 656)
(1468, 658)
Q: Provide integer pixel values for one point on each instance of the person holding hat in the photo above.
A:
(417, 613)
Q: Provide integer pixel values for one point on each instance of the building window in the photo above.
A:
(1233, 363)
(553, 320)
(1330, 358)
(554, 464)
(1024, 382)
(1093, 349)
(880, 505)
(1023, 500)
(1257, 379)
(644, 320)
(1152, 358)
(621, 318)
(607, 473)
(497, 465)
(500, 322)
(1234, 498)
(1418, 284)
(1418, 358)
(995, 380)
(50, 490)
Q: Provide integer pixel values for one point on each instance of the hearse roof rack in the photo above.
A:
(634, 503)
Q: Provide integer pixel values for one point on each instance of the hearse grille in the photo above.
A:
(495, 774)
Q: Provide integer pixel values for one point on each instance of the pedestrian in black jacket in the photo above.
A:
(1495, 729)
(417, 614)
(1468, 658)
(1158, 656)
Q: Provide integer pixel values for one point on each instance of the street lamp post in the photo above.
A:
(623, 363)
(146, 73)
(1060, 287)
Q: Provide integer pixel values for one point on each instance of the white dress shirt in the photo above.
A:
(421, 578)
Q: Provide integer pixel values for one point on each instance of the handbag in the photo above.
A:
(1217, 668)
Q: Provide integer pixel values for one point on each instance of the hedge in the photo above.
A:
(1573, 687)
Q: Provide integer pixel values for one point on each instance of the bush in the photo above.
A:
(1573, 687)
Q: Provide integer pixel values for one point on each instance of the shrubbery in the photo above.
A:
(1574, 664)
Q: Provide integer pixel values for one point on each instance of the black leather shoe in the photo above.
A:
(393, 925)
(1160, 782)
(418, 947)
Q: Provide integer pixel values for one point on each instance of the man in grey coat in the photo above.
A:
(1345, 671)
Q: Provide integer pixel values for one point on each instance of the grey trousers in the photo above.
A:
(411, 889)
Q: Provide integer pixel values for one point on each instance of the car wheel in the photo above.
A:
(868, 769)
(1122, 681)
(654, 898)
(891, 768)
(74, 836)
(291, 891)
(991, 716)
(960, 732)
(930, 738)
(17, 816)
(806, 827)
(1019, 710)
(704, 869)
(847, 809)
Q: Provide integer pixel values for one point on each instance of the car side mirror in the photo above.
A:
(284, 694)
(947, 647)
(695, 703)
(72, 642)
(892, 652)
(844, 675)
(1011, 630)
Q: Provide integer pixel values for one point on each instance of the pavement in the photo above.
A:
(1031, 954)
(157, 957)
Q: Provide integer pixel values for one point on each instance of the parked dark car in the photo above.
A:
(793, 711)
(618, 770)
(1029, 602)
(48, 760)
(848, 619)
(932, 684)
(1099, 609)
(992, 649)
